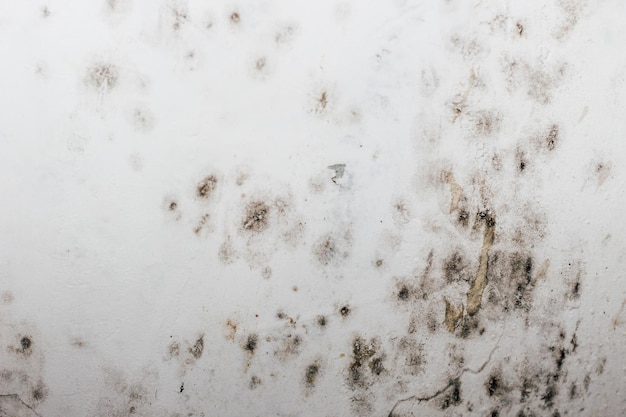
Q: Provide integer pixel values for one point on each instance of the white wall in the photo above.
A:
(401, 208)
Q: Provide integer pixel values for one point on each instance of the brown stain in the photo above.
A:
(458, 200)
(475, 293)
(256, 218)
(206, 187)
(231, 329)
(235, 18)
(311, 374)
(251, 343)
(201, 223)
(453, 314)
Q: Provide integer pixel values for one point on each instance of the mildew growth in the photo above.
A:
(103, 76)
(206, 187)
(311, 374)
(256, 218)
(198, 347)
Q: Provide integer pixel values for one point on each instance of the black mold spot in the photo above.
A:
(206, 187)
(552, 138)
(413, 353)
(201, 223)
(520, 28)
(322, 102)
(463, 217)
(285, 35)
(182, 387)
(520, 161)
(376, 366)
(251, 343)
(257, 217)
(469, 325)
(173, 350)
(172, 206)
(455, 268)
(260, 64)
(26, 343)
(142, 119)
(550, 393)
(495, 413)
(494, 385)
(403, 294)
(103, 76)
(511, 274)
(254, 383)
(487, 122)
(379, 263)
(311, 374)
(362, 354)
(197, 349)
(322, 321)
(453, 394)
(290, 346)
(39, 392)
(326, 250)
(344, 311)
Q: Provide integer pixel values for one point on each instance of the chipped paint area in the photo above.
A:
(325, 208)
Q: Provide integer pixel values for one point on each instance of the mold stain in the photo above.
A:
(204, 219)
(103, 76)
(311, 374)
(206, 187)
(256, 218)
(454, 313)
(198, 347)
(235, 18)
(475, 293)
(251, 344)
(255, 382)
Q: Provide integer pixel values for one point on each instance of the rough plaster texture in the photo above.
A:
(323, 208)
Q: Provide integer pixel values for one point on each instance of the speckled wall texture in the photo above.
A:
(312, 208)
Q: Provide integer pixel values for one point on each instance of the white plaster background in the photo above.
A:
(124, 292)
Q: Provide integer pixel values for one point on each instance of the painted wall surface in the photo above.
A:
(323, 208)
